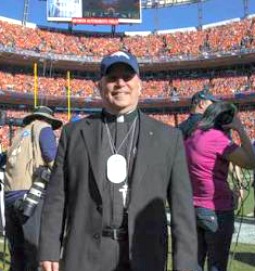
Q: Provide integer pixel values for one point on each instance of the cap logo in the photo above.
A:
(120, 54)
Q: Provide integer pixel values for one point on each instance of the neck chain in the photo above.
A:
(124, 165)
(113, 147)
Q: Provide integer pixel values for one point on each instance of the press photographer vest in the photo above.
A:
(24, 156)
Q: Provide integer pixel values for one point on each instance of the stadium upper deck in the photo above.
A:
(224, 44)
(175, 63)
(213, 45)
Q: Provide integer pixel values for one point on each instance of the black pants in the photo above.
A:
(23, 238)
(114, 255)
(216, 245)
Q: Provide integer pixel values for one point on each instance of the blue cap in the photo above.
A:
(119, 57)
(203, 95)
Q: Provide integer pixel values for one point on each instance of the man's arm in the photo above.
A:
(53, 210)
(48, 145)
(183, 225)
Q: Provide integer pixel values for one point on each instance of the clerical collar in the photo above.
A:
(129, 117)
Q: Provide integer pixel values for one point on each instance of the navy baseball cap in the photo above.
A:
(203, 95)
(119, 57)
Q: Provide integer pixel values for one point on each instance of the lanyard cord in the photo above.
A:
(113, 148)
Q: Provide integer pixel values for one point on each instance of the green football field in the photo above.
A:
(242, 256)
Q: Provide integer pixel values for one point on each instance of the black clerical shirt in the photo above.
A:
(114, 213)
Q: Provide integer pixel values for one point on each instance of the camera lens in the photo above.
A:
(33, 197)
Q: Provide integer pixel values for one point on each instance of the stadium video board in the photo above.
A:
(111, 12)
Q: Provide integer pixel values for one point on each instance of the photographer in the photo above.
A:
(209, 151)
(199, 102)
(28, 164)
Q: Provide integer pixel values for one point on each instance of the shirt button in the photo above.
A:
(99, 208)
(96, 236)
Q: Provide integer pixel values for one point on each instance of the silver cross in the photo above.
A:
(124, 191)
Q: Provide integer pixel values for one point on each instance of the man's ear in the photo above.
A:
(99, 86)
(201, 104)
(140, 88)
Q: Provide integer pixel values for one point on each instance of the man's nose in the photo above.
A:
(120, 81)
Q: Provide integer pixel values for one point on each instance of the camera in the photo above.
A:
(226, 117)
(10, 121)
(36, 192)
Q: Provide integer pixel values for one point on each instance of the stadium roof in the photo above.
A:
(166, 3)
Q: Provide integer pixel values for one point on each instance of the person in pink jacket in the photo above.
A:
(209, 151)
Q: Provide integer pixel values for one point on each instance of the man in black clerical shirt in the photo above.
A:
(114, 172)
(199, 102)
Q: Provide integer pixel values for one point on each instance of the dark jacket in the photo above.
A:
(188, 125)
(74, 197)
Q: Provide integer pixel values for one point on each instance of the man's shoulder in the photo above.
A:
(191, 118)
(189, 122)
(160, 126)
(82, 121)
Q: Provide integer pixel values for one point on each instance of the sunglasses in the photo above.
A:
(126, 77)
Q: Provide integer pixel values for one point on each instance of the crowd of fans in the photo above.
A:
(53, 86)
(227, 82)
(226, 37)
(247, 116)
(237, 35)
(223, 38)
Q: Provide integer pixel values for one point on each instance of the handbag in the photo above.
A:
(206, 219)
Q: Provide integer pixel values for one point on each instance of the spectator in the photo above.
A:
(209, 151)
(33, 146)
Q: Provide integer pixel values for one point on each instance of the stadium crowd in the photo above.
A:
(226, 82)
(222, 38)
(235, 35)
(247, 116)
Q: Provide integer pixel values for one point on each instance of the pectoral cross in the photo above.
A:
(124, 190)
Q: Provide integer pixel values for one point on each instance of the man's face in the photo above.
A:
(207, 103)
(202, 106)
(120, 89)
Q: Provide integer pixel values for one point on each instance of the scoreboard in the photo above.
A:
(111, 12)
